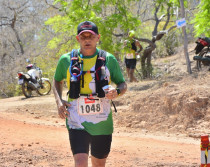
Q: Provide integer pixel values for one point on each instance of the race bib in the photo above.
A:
(89, 106)
(130, 56)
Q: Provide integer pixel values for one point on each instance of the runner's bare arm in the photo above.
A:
(122, 87)
(139, 45)
(61, 104)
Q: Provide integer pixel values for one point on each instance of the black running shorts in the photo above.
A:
(80, 141)
(130, 63)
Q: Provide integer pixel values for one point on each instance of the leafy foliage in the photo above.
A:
(111, 17)
(202, 19)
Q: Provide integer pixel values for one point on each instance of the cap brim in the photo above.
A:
(92, 32)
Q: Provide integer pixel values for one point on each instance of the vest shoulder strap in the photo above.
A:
(101, 59)
(74, 54)
(102, 55)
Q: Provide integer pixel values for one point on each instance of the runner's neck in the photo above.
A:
(87, 52)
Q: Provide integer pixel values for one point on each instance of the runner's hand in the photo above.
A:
(111, 94)
(62, 109)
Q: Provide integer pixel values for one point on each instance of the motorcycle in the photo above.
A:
(202, 51)
(42, 85)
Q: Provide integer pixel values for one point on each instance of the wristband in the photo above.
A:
(118, 91)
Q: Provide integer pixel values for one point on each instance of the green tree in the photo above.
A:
(202, 19)
(112, 17)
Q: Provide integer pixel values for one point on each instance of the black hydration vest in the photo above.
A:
(77, 75)
(133, 45)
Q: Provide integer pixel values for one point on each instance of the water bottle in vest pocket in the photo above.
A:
(74, 87)
(103, 81)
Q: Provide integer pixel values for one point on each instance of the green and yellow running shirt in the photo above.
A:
(130, 49)
(94, 116)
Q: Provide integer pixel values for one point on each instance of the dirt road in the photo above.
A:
(31, 134)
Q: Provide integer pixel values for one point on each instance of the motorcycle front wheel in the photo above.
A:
(26, 89)
(45, 88)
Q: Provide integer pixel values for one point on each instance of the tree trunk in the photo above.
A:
(185, 39)
(19, 40)
(146, 67)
